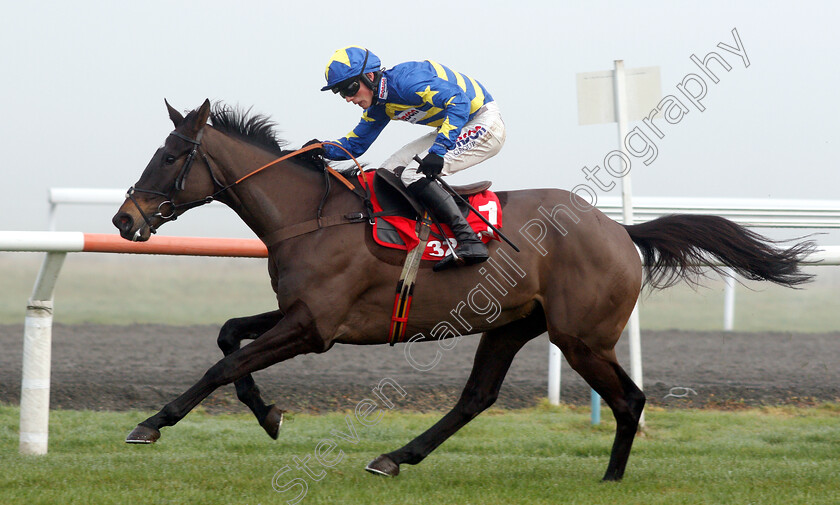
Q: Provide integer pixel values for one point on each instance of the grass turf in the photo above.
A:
(543, 455)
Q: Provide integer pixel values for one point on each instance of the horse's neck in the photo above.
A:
(278, 196)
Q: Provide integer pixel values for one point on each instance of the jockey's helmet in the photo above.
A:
(351, 62)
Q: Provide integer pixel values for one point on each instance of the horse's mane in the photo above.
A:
(257, 129)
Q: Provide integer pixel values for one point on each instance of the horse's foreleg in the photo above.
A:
(233, 332)
(492, 361)
(294, 334)
(610, 381)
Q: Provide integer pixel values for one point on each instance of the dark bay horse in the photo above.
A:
(577, 277)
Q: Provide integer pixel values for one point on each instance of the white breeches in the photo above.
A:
(481, 138)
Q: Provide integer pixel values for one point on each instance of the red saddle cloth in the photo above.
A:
(399, 232)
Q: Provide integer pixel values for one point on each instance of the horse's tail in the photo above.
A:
(676, 247)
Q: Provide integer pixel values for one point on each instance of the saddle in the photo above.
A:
(396, 214)
(397, 201)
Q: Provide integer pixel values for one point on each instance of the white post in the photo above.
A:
(627, 208)
(553, 374)
(51, 224)
(729, 300)
(636, 353)
(621, 119)
(37, 348)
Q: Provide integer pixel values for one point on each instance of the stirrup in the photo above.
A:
(450, 261)
(453, 260)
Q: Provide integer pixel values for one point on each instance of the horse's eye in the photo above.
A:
(169, 159)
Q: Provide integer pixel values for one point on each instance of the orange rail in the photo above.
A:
(189, 246)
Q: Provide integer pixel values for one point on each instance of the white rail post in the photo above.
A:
(636, 354)
(729, 300)
(37, 349)
(553, 374)
(51, 224)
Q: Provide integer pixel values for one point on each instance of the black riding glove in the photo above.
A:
(314, 155)
(318, 151)
(431, 165)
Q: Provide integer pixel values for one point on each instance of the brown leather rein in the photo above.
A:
(277, 236)
(329, 169)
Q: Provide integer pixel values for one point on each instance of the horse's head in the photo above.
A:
(163, 192)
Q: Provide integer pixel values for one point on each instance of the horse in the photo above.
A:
(578, 277)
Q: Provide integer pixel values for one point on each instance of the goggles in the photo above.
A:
(348, 88)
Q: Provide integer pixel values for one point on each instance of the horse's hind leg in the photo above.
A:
(610, 381)
(233, 332)
(492, 361)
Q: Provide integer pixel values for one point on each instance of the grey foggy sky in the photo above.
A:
(84, 82)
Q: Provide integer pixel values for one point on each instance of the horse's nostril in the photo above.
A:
(123, 221)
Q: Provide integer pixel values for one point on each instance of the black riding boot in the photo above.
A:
(470, 249)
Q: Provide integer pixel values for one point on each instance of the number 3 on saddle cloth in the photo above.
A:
(399, 231)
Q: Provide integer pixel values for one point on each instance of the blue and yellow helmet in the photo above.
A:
(350, 62)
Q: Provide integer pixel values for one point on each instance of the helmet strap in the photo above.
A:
(363, 75)
(366, 80)
(374, 84)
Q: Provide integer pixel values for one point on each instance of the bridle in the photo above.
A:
(168, 209)
(178, 184)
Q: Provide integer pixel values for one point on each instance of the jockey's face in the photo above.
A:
(364, 97)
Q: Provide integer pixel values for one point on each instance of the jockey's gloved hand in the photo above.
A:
(315, 155)
(431, 165)
(318, 151)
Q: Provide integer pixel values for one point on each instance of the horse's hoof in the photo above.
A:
(273, 420)
(383, 465)
(142, 435)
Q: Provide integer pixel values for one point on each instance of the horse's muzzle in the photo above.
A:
(125, 223)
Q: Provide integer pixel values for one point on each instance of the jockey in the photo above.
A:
(468, 129)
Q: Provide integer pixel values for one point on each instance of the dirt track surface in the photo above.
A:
(103, 367)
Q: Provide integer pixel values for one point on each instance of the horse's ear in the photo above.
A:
(197, 119)
(203, 114)
(174, 115)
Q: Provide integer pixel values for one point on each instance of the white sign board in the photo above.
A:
(596, 95)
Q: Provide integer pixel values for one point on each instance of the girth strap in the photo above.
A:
(305, 227)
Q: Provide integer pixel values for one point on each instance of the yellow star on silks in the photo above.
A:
(446, 127)
(427, 94)
(366, 118)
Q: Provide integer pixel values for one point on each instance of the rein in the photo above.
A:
(180, 181)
